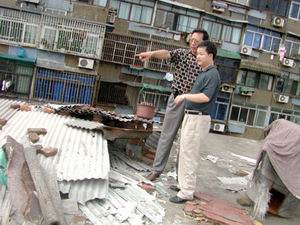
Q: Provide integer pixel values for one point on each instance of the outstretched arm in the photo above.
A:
(159, 54)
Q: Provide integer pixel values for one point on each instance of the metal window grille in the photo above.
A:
(19, 74)
(20, 27)
(122, 49)
(56, 33)
(69, 35)
(64, 86)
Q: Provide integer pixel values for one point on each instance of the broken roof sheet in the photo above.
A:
(82, 154)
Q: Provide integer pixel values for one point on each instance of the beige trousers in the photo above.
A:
(194, 130)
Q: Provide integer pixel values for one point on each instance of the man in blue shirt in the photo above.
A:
(196, 123)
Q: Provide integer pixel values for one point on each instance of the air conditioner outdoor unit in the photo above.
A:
(283, 99)
(218, 9)
(245, 50)
(111, 16)
(246, 93)
(219, 127)
(288, 62)
(227, 89)
(86, 63)
(278, 21)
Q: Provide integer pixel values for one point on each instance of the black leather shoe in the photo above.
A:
(174, 187)
(153, 175)
(177, 200)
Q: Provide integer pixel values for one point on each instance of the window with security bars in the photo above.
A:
(18, 75)
(123, 49)
(53, 33)
(254, 116)
(64, 86)
(261, 38)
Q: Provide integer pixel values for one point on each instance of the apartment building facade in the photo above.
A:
(84, 51)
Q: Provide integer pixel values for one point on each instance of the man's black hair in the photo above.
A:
(210, 48)
(201, 31)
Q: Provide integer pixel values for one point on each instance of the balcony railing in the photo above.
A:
(122, 49)
(55, 33)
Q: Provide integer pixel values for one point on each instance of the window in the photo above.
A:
(221, 106)
(100, 2)
(176, 18)
(292, 46)
(288, 83)
(139, 11)
(255, 116)
(221, 30)
(227, 68)
(255, 80)
(262, 39)
(295, 9)
(279, 7)
(290, 115)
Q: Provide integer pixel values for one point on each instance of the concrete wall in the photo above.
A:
(4, 48)
(251, 133)
(88, 12)
(132, 95)
(109, 71)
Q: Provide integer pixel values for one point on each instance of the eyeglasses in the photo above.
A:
(195, 41)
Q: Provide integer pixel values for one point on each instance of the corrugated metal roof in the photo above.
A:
(82, 154)
(5, 111)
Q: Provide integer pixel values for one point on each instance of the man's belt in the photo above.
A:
(195, 112)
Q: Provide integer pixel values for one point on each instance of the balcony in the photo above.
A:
(122, 50)
(54, 33)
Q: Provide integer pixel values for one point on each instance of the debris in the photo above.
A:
(159, 187)
(15, 106)
(217, 210)
(48, 151)
(147, 187)
(234, 183)
(33, 137)
(250, 160)
(172, 174)
(44, 193)
(25, 107)
(3, 165)
(240, 173)
(48, 110)
(39, 131)
(212, 158)
(3, 121)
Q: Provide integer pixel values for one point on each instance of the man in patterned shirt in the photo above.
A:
(186, 72)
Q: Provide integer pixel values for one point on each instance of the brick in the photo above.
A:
(15, 106)
(33, 137)
(48, 110)
(3, 121)
(39, 131)
(25, 107)
(48, 151)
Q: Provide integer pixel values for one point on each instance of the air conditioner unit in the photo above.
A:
(288, 62)
(245, 50)
(278, 21)
(219, 127)
(111, 16)
(218, 9)
(246, 93)
(226, 89)
(283, 99)
(86, 63)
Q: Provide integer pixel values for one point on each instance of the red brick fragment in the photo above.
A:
(33, 137)
(3, 121)
(48, 151)
(15, 106)
(39, 131)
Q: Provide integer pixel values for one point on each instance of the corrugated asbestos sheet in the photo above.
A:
(82, 154)
(5, 111)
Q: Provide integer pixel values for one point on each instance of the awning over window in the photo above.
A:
(228, 54)
(260, 67)
(16, 58)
